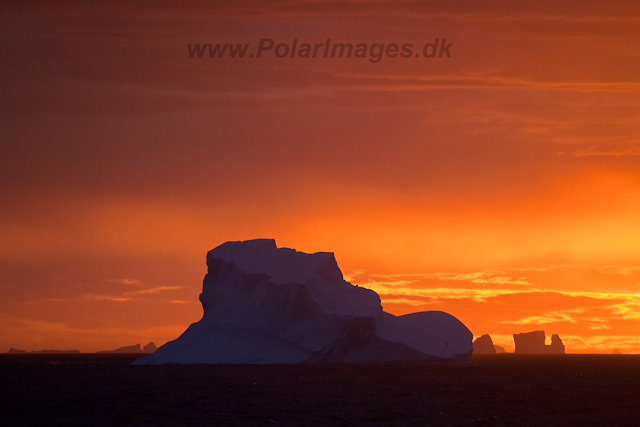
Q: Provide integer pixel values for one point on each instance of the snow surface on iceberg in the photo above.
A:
(263, 304)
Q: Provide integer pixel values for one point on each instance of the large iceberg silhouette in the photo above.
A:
(268, 305)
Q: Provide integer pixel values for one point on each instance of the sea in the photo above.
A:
(495, 390)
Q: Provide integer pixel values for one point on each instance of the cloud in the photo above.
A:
(130, 296)
(628, 310)
(93, 297)
(610, 150)
(404, 301)
(478, 295)
(127, 282)
(617, 269)
(600, 326)
(483, 277)
(603, 343)
(152, 291)
(489, 11)
(549, 317)
(407, 81)
(433, 284)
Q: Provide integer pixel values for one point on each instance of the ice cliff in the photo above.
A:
(263, 304)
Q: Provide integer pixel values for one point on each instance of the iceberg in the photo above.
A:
(268, 305)
(484, 345)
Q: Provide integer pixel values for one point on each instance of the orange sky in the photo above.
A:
(501, 185)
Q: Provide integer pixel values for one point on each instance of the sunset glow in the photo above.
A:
(501, 185)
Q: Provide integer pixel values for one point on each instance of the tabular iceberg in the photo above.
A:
(266, 305)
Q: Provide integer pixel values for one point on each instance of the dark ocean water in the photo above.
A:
(503, 390)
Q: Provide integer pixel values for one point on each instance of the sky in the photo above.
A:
(499, 183)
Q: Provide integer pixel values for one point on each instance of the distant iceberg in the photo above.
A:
(268, 305)
(534, 343)
(484, 345)
(136, 348)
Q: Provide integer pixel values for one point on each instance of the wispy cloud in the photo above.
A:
(549, 317)
(482, 277)
(616, 269)
(610, 150)
(628, 310)
(478, 295)
(93, 297)
(603, 343)
(131, 295)
(152, 291)
(128, 282)
(408, 82)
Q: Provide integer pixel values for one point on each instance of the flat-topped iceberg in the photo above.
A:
(265, 305)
